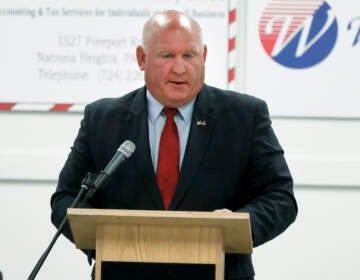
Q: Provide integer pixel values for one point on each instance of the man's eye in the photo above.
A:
(167, 56)
(189, 55)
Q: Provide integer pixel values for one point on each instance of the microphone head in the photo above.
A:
(127, 148)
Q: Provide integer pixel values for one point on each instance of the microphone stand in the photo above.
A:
(86, 185)
(90, 184)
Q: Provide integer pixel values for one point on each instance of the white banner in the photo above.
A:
(78, 51)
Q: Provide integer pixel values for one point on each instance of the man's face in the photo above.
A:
(174, 64)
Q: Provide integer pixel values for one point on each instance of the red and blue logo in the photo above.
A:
(298, 34)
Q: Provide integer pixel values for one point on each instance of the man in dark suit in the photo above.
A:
(229, 158)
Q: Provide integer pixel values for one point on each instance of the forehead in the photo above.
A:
(176, 37)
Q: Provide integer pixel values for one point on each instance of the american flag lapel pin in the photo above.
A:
(201, 123)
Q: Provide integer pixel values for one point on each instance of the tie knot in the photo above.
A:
(170, 112)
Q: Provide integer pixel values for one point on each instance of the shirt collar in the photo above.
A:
(155, 109)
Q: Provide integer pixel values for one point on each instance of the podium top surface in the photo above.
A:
(235, 226)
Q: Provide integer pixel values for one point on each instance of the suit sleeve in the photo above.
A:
(78, 164)
(272, 205)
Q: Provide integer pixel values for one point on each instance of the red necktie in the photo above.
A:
(167, 173)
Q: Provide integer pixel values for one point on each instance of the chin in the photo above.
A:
(178, 103)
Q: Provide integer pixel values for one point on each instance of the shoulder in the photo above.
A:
(119, 102)
(232, 100)
(121, 105)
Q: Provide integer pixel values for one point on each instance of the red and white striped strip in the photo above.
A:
(58, 107)
(232, 32)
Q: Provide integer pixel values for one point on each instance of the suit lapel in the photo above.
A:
(139, 133)
(202, 125)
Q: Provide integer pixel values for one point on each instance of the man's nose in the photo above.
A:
(179, 66)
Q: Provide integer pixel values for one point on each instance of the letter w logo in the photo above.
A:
(286, 35)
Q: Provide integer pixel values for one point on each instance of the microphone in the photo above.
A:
(125, 150)
(123, 153)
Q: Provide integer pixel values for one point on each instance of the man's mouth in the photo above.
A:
(178, 82)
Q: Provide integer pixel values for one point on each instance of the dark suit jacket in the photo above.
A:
(234, 162)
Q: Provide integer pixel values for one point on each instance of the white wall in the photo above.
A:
(323, 155)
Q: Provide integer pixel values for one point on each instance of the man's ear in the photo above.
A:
(205, 53)
(140, 57)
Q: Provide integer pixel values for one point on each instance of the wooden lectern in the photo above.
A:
(167, 238)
